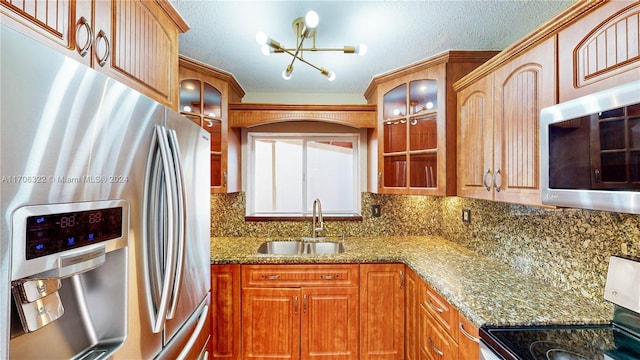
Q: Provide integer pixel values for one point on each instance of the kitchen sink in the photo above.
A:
(299, 247)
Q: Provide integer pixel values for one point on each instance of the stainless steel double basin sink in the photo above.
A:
(300, 247)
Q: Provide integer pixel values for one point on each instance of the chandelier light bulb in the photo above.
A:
(261, 37)
(361, 49)
(266, 50)
(332, 76)
(286, 73)
(312, 19)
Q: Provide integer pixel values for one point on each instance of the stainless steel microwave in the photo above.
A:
(590, 151)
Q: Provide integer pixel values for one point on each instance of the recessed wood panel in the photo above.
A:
(611, 45)
(147, 43)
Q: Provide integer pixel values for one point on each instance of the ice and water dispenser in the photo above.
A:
(69, 280)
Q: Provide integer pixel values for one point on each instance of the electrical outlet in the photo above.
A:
(375, 211)
(466, 216)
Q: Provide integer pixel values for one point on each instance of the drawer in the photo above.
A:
(299, 275)
(439, 308)
(435, 343)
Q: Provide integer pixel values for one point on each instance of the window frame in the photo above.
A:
(354, 137)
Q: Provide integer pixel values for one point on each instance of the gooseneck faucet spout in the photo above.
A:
(317, 223)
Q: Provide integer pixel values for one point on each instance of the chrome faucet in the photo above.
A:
(317, 223)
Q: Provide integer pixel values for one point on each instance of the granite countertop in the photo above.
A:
(483, 290)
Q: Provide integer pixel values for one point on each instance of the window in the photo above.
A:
(288, 171)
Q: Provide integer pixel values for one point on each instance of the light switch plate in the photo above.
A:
(466, 216)
(375, 211)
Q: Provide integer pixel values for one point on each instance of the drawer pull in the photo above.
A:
(467, 335)
(330, 277)
(270, 277)
(435, 349)
(436, 308)
(295, 305)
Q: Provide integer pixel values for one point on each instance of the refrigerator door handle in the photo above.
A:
(159, 229)
(195, 335)
(180, 238)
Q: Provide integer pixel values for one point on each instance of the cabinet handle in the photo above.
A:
(379, 180)
(84, 23)
(495, 180)
(270, 277)
(102, 35)
(304, 303)
(224, 178)
(434, 307)
(295, 305)
(401, 280)
(437, 351)
(485, 182)
(467, 335)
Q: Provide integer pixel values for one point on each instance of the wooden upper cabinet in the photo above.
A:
(522, 88)
(132, 41)
(475, 139)
(499, 127)
(415, 134)
(600, 50)
(144, 46)
(205, 94)
(52, 22)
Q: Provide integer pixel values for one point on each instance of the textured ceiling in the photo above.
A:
(397, 33)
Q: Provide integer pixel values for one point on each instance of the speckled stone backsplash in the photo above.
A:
(568, 248)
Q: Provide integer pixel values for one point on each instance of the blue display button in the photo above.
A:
(91, 237)
(71, 241)
(39, 247)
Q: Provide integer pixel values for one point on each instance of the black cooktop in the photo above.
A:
(606, 342)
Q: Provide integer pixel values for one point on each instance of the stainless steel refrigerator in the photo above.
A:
(104, 240)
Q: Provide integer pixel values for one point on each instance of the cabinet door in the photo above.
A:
(599, 50)
(468, 342)
(475, 139)
(523, 87)
(382, 311)
(330, 323)
(270, 323)
(412, 316)
(225, 312)
(139, 48)
(435, 343)
(64, 25)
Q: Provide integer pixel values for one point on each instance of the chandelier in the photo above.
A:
(304, 28)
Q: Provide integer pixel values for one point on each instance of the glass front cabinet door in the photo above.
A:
(410, 130)
(205, 94)
(201, 102)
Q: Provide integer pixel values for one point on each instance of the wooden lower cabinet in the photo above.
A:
(468, 346)
(340, 311)
(382, 296)
(435, 342)
(225, 312)
(313, 317)
(412, 316)
(271, 323)
(434, 329)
